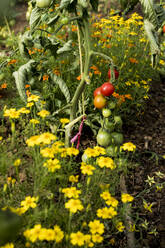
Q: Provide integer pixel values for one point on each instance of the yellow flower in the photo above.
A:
(33, 98)
(73, 179)
(1, 138)
(34, 121)
(112, 201)
(128, 147)
(77, 238)
(29, 202)
(43, 113)
(126, 198)
(120, 227)
(52, 165)
(105, 195)
(91, 152)
(24, 111)
(29, 104)
(96, 238)
(64, 121)
(106, 162)
(59, 234)
(12, 113)
(106, 213)
(96, 227)
(17, 162)
(100, 150)
(72, 151)
(46, 138)
(147, 206)
(47, 152)
(71, 192)
(87, 169)
(74, 205)
(33, 140)
(8, 245)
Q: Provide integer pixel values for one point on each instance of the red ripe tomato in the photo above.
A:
(164, 29)
(97, 92)
(116, 74)
(100, 101)
(107, 89)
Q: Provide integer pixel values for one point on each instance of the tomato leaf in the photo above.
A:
(35, 18)
(66, 48)
(62, 85)
(53, 20)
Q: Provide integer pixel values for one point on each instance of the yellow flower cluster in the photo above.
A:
(43, 139)
(128, 147)
(71, 192)
(87, 169)
(52, 164)
(8, 245)
(29, 202)
(94, 152)
(126, 198)
(106, 162)
(39, 233)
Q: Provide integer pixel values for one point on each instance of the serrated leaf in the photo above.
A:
(64, 3)
(21, 78)
(35, 18)
(66, 48)
(62, 85)
(94, 4)
(53, 20)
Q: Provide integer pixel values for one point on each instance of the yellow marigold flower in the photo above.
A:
(96, 238)
(59, 234)
(33, 140)
(120, 227)
(19, 211)
(96, 227)
(64, 120)
(24, 111)
(91, 152)
(33, 98)
(8, 245)
(50, 235)
(47, 152)
(73, 179)
(43, 113)
(52, 164)
(112, 241)
(112, 201)
(87, 169)
(72, 151)
(126, 198)
(34, 121)
(71, 192)
(161, 62)
(46, 138)
(12, 113)
(29, 202)
(106, 213)
(77, 238)
(29, 104)
(106, 162)
(105, 195)
(128, 147)
(1, 138)
(100, 150)
(17, 162)
(74, 205)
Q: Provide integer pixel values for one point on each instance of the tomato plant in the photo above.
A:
(97, 92)
(43, 3)
(100, 101)
(163, 29)
(116, 74)
(112, 150)
(106, 112)
(117, 138)
(107, 89)
(65, 20)
(103, 138)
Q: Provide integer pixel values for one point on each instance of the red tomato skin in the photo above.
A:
(100, 101)
(164, 29)
(107, 89)
(97, 91)
(116, 74)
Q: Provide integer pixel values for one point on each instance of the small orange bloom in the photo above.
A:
(45, 77)
(78, 78)
(132, 60)
(27, 86)
(128, 96)
(13, 61)
(3, 86)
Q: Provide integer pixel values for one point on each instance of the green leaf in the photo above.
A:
(62, 85)
(22, 43)
(94, 4)
(83, 3)
(150, 13)
(66, 48)
(64, 3)
(21, 78)
(35, 18)
(53, 20)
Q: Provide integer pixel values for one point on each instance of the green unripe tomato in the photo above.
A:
(2, 75)
(12, 22)
(85, 158)
(109, 126)
(65, 20)
(112, 105)
(117, 138)
(50, 29)
(28, 15)
(118, 119)
(106, 112)
(103, 138)
(43, 3)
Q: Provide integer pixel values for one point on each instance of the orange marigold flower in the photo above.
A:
(4, 86)
(128, 96)
(57, 72)
(97, 72)
(13, 61)
(79, 77)
(116, 95)
(45, 77)
(27, 86)
(94, 67)
(132, 60)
